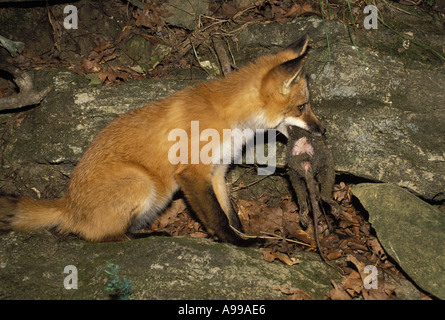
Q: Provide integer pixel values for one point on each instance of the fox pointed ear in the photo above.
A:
(299, 46)
(293, 70)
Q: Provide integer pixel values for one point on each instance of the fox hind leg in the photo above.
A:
(125, 193)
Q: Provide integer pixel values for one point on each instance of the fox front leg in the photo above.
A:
(196, 184)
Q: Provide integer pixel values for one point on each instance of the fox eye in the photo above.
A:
(301, 107)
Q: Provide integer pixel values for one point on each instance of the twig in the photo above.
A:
(267, 236)
(277, 237)
(241, 12)
(223, 58)
(250, 184)
(57, 28)
(393, 7)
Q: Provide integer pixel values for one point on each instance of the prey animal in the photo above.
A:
(312, 174)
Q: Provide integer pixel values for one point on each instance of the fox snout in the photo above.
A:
(317, 129)
(313, 124)
(303, 118)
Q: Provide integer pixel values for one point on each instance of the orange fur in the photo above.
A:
(125, 179)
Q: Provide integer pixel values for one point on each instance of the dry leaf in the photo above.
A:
(115, 74)
(169, 215)
(424, 296)
(332, 255)
(353, 283)
(199, 234)
(294, 293)
(305, 237)
(359, 265)
(383, 291)
(228, 10)
(257, 217)
(103, 52)
(298, 10)
(90, 66)
(338, 293)
(269, 255)
(288, 206)
(376, 247)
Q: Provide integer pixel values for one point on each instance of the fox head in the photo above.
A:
(284, 91)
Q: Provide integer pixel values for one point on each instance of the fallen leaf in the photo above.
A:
(269, 255)
(115, 74)
(305, 237)
(342, 192)
(376, 247)
(169, 215)
(288, 206)
(359, 265)
(199, 234)
(103, 52)
(298, 10)
(353, 284)
(424, 296)
(151, 16)
(338, 293)
(257, 217)
(228, 10)
(90, 66)
(294, 293)
(384, 291)
(332, 255)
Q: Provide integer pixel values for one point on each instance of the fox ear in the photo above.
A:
(299, 46)
(285, 74)
(292, 70)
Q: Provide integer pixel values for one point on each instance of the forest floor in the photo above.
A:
(352, 236)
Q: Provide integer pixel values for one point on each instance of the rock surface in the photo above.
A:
(185, 14)
(32, 267)
(385, 121)
(410, 230)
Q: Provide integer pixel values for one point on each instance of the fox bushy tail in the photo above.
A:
(26, 214)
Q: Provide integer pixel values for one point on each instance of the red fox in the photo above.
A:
(125, 178)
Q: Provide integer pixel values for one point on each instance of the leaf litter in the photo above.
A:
(147, 19)
(350, 246)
